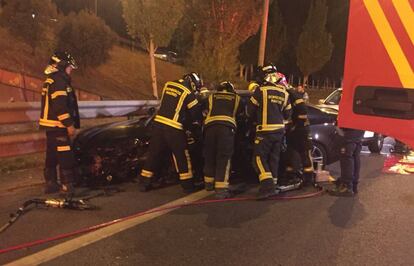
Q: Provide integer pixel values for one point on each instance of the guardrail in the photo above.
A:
(20, 144)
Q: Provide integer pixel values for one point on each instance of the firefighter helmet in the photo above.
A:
(269, 74)
(194, 81)
(62, 60)
(226, 86)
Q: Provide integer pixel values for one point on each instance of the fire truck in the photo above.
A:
(378, 89)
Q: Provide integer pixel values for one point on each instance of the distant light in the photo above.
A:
(368, 134)
(33, 15)
(316, 136)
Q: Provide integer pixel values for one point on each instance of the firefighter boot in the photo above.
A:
(309, 179)
(67, 177)
(223, 193)
(267, 189)
(341, 190)
(209, 186)
(51, 185)
(145, 184)
(188, 186)
(355, 188)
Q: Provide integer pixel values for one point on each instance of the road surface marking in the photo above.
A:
(92, 237)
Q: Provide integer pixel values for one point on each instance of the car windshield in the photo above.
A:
(334, 98)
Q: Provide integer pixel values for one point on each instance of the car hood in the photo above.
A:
(330, 106)
(110, 132)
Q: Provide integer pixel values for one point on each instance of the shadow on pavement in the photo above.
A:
(346, 212)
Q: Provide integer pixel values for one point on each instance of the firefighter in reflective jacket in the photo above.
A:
(271, 103)
(178, 100)
(298, 139)
(59, 117)
(219, 131)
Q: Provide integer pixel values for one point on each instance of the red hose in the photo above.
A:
(102, 225)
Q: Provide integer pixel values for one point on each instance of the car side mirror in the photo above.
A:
(321, 101)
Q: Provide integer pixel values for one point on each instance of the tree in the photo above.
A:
(221, 27)
(30, 20)
(87, 38)
(153, 23)
(315, 45)
(275, 41)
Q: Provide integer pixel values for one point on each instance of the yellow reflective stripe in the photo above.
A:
(269, 127)
(208, 179)
(390, 41)
(260, 165)
(56, 59)
(63, 148)
(184, 88)
(210, 105)
(179, 106)
(253, 100)
(308, 169)
(168, 122)
(221, 185)
(264, 111)
(46, 110)
(175, 164)
(192, 104)
(220, 118)
(49, 81)
(288, 107)
(63, 117)
(186, 176)
(406, 14)
(236, 105)
(58, 93)
(50, 123)
(302, 116)
(265, 176)
(146, 173)
(289, 169)
(298, 101)
(227, 174)
(189, 174)
(187, 155)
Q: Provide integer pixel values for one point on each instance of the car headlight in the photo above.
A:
(368, 134)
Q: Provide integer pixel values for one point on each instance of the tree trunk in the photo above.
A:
(305, 80)
(153, 72)
(241, 71)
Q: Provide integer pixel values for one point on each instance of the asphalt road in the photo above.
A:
(373, 228)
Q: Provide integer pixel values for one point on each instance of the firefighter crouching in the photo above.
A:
(271, 104)
(178, 100)
(219, 132)
(59, 117)
(298, 139)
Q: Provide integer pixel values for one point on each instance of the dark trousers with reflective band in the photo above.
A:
(299, 145)
(350, 163)
(165, 137)
(59, 152)
(266, 154)
(218, 150)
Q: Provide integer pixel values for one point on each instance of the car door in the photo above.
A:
(378, 88)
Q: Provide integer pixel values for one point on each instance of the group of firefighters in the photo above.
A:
(276, 109)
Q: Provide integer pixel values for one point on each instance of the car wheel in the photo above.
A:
(376, 145)
(318, 155)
